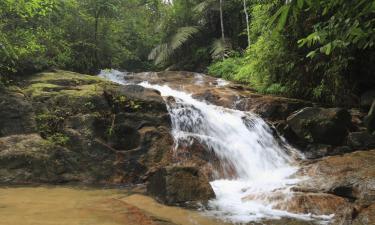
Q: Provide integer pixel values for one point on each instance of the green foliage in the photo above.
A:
(226, 69)
(339, 24)
(50, 126)
(163, 52)
(321, 50)
(195, 26)
(312, 49)
(58, 139)
(80, 35)
(264, 61)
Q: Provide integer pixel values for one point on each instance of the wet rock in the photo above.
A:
(315, 151)
(370, 119)
(284, 221)
(367, 99)
(365, 216)
(361, 140)
(315, 203)
(351, 176)
(180, 185)
(274, 108)
(320, 125)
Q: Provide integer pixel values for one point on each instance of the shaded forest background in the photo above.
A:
(320, 50)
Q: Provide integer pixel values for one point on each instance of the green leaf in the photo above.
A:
(311, 54)
(300, 3)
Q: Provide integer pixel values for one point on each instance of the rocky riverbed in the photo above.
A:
(62, 127)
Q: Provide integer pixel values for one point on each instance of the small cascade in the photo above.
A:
(258, 168)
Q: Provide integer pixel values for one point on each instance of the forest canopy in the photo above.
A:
(321, 50)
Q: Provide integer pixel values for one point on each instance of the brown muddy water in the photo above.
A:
(89, 206)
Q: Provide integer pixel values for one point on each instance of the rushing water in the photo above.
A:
(256, 165)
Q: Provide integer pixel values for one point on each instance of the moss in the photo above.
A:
(123, 103)
(65, 78)
(50, 126)
(41, 89)
(58, 139)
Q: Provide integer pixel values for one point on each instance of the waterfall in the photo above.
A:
(262, 166)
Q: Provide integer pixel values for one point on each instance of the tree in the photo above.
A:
(247, 22)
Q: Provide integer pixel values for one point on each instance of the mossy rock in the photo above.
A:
(72, 121)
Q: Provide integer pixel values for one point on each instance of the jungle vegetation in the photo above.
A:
(320, 50)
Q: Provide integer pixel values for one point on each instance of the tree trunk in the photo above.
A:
(247, 22)
(222, 21)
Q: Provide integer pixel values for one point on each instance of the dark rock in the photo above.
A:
(367, 99)
(16, 114)
(29, 158)
(180, 185)
(357, 120)
(315, 151)
(275, 108)
(370, 119)
(320, 125)
(361, 140)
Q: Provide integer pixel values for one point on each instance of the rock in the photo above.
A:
(367, 99)
(80, 120)
(361, 140)
(283, 221)
(365, 216)
(180, 185)
(357, 120)
(351, 176)
(272, 107)
(315, 203)
(16, 114)
(320, 125)
(370, 119)
(315, 151)
(29, 158)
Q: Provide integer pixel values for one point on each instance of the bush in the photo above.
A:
(226, 69)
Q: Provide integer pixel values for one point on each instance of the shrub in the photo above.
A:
(226, 69)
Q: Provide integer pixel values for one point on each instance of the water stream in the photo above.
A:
(257, 166)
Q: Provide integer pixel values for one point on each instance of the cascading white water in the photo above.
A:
(246, 147)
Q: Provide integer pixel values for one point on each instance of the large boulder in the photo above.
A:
(351, 176)
(320, 125)
(271, 107)
(79, 120)
(180, 185)
(361, 140)
(315, 203)
(30, 158)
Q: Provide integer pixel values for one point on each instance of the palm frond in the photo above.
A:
(206, 6)
(163, 52)
(160, 54)
(220, 48)
(182, 35)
